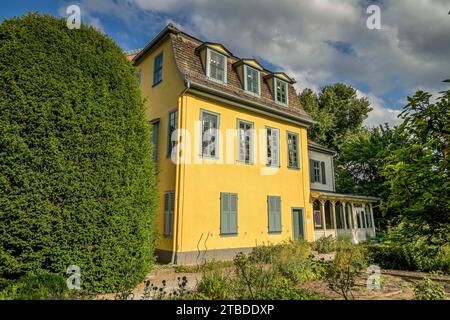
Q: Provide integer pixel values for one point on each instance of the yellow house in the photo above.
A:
(231, 147)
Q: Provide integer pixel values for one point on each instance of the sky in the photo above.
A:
(318, 42)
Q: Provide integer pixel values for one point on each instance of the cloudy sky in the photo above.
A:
(318, 42)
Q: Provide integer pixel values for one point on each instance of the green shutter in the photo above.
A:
(224, 212)
(171, 211)
(311, 170)
(166, 213)
(233, 212)
(322, 169)
(228, 213)
(274, 209)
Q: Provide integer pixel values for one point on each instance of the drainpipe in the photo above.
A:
(178, 184)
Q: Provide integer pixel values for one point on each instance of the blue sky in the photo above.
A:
(318, 43)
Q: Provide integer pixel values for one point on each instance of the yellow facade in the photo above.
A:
(202, 183)
(198, 184)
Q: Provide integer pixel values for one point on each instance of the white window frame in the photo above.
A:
(202, 112)
(246, 67)
(208, 66)
(277, 165)
(276, 91)
(251, 148)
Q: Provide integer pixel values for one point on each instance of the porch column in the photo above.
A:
(344, 211)
(371, 218)
(333, 216)
(322, 212)
(355, 221)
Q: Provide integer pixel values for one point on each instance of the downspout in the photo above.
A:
(178, 183)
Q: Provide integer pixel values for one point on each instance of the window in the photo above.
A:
(210, 131)
(281, 91)
(292, 142)
(157, 70)
(245, 142)
(274, 208)
(251, 80)
(228, 213)
(172, 126)
(317, 219)
(273, 150)
(317, 170)
(139, 76)
(155, 131)
(169, 205)
(216, 66)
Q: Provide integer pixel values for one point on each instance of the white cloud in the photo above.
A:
(312, 39)
(380, 114)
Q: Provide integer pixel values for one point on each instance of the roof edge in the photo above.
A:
(170, 28)
(252, 104)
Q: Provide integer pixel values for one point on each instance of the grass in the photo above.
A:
(207, 266)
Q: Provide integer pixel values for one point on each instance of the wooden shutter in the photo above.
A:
(228, 213)
(224, 213)
(171, 211)
(155, 129)
(275, 148)
(274, 208)
(233, 213)
(311, 170)
(166, 213)
(241, 141)
(322, 171)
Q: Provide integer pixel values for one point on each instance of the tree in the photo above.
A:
(77, 182)
(337, 110)
(360, 165)
(417, 172)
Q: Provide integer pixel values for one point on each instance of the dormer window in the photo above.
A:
(216, 67)
(251, 77)
(281, 91)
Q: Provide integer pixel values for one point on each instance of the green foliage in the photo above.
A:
(325, 244)
(429, 290)
(337, 110)
(295, 262)
(216, 285)
(347, 266)
(77, 182)
(35, 286)
(361, 161)
(252, 279)
(410, 256)
(417, 172)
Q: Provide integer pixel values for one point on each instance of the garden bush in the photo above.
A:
(325, 244)
(251, 280)
(411, 256)
(427, 289)
(348, 264)
(77, 182)
(36, 286)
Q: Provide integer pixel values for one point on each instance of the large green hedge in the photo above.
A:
(77, 182)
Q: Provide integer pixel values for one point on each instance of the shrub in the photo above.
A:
(77, 182)
(429, 290)
(413, 256)
(342, 272)
(216, 285)
(325, 244)
(36, 286)
(265, 253)
(294, 261)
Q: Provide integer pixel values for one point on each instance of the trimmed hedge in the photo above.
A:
(77, 181)
(412, 257)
